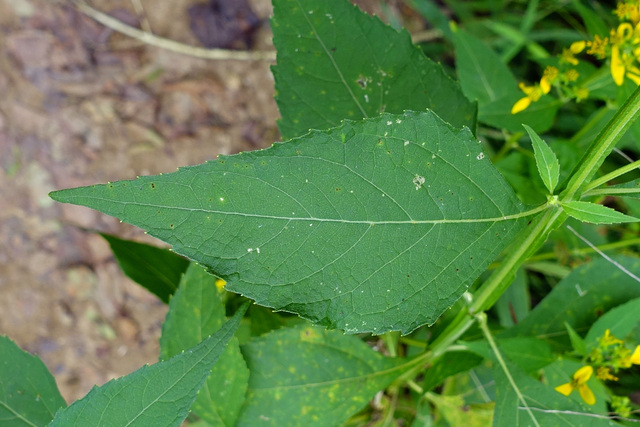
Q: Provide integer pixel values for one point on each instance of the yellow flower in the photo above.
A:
(533, 94)
(572, 75)
(596, 47)
(628, 10)
(581, 94)
(548, 77)
(568, 56)
(577, 47)
(578, 382)
(608, 339)
(604, 374)
(617, 66)
(633, 359)
(220, 284)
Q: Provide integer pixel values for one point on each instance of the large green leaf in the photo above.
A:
(156, 269)
(160, 394)
(579, 299)
(196, 312)
(371, 226)
(336, 62)
(307, 376)
(28, 393)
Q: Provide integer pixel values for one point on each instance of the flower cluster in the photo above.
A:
(621, 48)
(609, 357)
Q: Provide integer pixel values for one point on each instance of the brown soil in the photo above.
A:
(81, 105)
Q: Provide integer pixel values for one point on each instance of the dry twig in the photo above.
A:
(171, 45)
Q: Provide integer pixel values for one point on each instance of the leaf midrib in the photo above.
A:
(328, 220)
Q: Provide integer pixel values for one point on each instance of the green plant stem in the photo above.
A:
(536, 233)
(584, 251)
(601, 147)
(500, 279)
(482, 321)
(608, 191)
(611, 175)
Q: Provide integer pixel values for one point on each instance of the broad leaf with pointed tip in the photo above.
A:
(372, 226)
(336, 62)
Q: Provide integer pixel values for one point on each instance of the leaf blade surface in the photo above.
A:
(372, 226)
(546, 160)
(336, 62)
(595, 213)
(159, 394)
(310, 376)
(195, 312)
(28, 392)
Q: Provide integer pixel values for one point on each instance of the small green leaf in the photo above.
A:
(196, 311)
(546, 160)
(156, 269)
(336, 62)
(576, 340)
(595, 214)
(483, 76)
(161, 392)
(309, 376)
(28, 393)
(372, 226)
(619, 320)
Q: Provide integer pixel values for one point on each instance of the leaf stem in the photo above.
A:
(601, 147)
(533, 236)
(499, 280)
(584, 251)
(611, 175)
(608, 191)
(482, 321)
